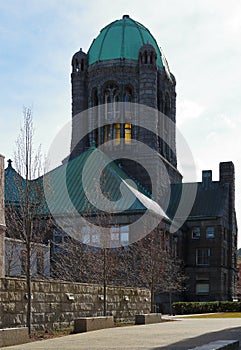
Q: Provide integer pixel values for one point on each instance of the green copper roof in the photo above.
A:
(122, 39)
(71, 174)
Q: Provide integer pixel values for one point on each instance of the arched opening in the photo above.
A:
(111, 100)
(145, 57)
(76, 65)
(94, 97)
(128, 99)
(82, 65)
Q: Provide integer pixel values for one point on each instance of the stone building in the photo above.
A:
(209, 238)
(124, 63)
(124, 70)
(16, 259)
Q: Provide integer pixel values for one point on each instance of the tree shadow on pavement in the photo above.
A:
(227, 334)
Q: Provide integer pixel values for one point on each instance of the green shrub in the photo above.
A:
(184, 308)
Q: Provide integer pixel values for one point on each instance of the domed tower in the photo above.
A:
(125, 64)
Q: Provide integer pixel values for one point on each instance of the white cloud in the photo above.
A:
(188, 110)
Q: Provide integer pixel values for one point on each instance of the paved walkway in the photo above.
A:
(181, 334)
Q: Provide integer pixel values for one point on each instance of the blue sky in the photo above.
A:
(201, 41)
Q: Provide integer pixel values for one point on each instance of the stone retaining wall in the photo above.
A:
(56, 304)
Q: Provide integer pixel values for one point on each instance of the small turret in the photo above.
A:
(79, 61)
(147, 55)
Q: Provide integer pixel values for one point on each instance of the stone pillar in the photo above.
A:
(2, 218)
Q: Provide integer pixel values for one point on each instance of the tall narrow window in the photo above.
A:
(128, 133)
(117, 133)
(116, 105)
(203, 256)
(124, 235)
(112, 99)
(94, 97)
(127, 101)
(108, 104)
(107, 133)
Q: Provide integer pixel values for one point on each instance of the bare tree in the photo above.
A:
(89, 258)
(23, 211)
(174, 279)
(152, 264)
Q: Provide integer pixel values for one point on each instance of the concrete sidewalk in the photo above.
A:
(181, 334)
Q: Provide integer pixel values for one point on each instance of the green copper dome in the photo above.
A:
(122, 39)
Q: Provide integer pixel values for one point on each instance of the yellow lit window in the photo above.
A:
(117, 133)
(128, 133)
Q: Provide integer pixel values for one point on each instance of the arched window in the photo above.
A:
(128, 100)
(111, 100)
(76, 65)
(82, 65)
(145, 57)
(94, 97)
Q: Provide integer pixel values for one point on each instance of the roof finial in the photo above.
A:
(10, 163)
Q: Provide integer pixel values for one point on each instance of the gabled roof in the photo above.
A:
(71, 184)
(209, 202)
(14, 185)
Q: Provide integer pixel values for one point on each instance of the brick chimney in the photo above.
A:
(227, 176)
(2, 218)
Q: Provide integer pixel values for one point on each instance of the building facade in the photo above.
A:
(210, 239)
(124, 70)
(16, 259)
(124, 63)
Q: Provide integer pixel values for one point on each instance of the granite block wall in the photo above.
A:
(55, 304)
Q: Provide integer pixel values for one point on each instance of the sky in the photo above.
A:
(200, 39)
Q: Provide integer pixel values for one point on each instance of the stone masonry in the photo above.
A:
(56, 304)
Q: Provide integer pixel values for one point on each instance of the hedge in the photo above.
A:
(182, 308)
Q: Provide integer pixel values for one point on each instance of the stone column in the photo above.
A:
(2, 218)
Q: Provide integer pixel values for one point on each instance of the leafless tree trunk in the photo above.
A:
(22, 220)
(155, 267)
